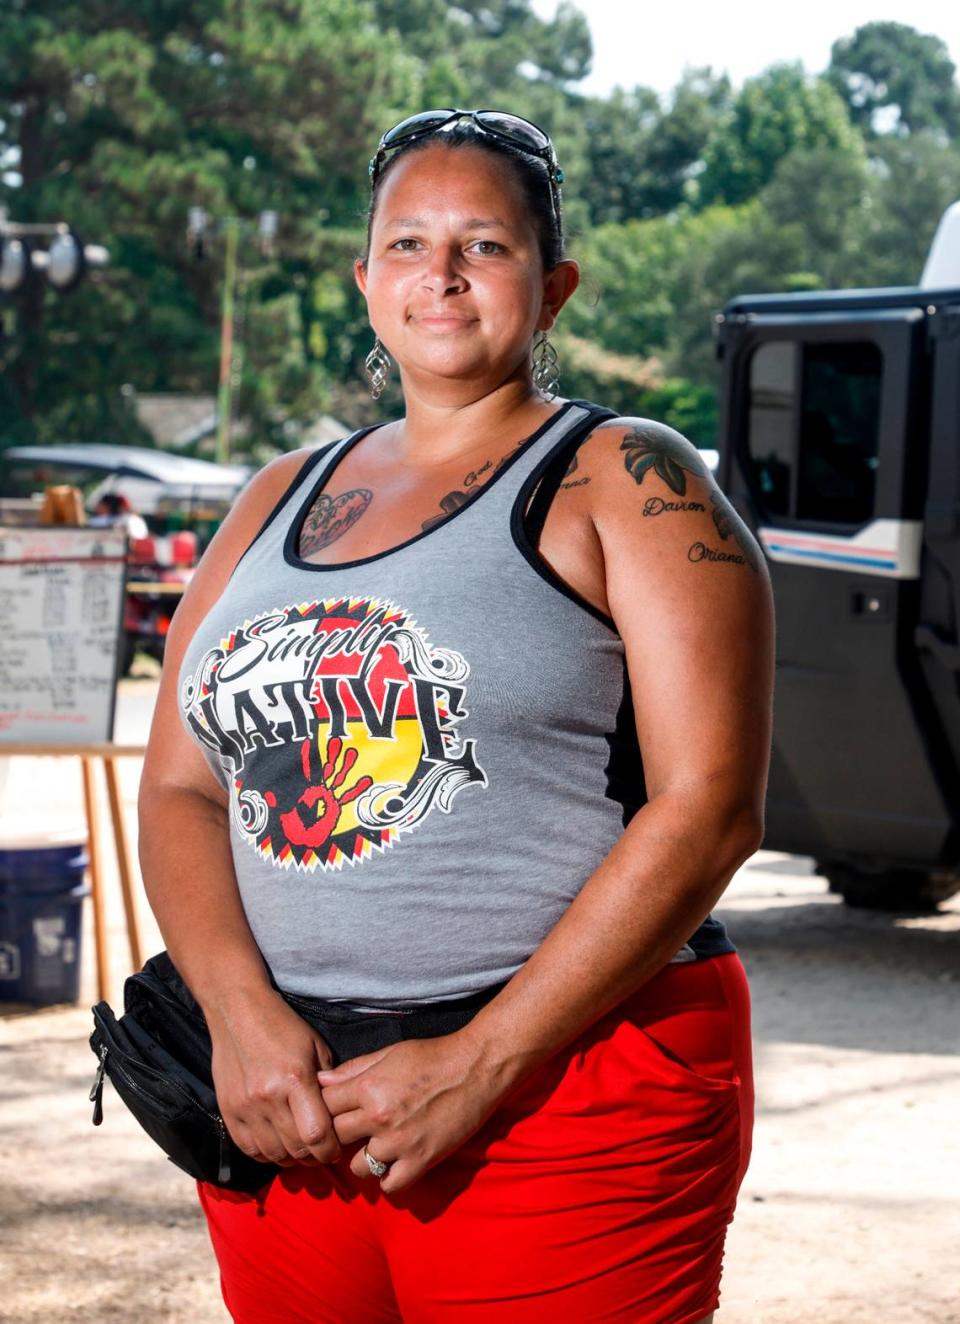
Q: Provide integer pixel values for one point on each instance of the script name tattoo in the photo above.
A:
(657, 505)
(329, 518)
(699, 551)
(474, 480)
(667, 454)
(572, 469)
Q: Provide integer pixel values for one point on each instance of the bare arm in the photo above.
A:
(690, 595)
(264, 1056)
(688, 590)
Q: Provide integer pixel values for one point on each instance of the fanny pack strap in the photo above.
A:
(351, 1033)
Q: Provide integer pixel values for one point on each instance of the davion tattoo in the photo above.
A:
(726, 521)
(330, 517)
(668, 456)
(657, 505)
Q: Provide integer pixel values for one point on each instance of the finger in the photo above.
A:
(265, 1141)
(359, 1165)
(324, 1055)
(305, 758)
(341, 1093)
(333, 753)
(314, 1130)
(351, 754)
(362, 785)
(402, 1174)
(242, 1137)
(346, 1070)
(352, 1126)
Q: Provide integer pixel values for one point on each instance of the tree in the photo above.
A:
(120, 116)
(774, 114)
(642, 152)
(618, 131)
(889, 68)
(911, 183)
(824, 194)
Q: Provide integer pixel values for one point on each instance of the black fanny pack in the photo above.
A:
(157, 1056)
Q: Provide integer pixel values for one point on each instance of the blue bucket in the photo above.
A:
(42, 891)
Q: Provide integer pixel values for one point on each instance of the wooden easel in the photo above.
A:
(87, 754)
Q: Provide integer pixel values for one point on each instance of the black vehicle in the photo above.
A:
(840, 447)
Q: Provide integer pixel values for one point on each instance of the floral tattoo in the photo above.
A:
(668, 456)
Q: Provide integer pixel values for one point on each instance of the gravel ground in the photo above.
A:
(849, 1213)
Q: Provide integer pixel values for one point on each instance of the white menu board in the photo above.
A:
(61, 615)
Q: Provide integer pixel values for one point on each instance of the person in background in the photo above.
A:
(463, 731)
(114, 510)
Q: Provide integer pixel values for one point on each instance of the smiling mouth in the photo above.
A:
(437, 322)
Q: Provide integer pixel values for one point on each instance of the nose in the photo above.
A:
(442, 273)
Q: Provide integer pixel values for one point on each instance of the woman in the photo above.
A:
(416, 673)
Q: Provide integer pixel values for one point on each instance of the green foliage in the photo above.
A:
(644, 153)
(118, 117)
(890, 67)
(779, 112)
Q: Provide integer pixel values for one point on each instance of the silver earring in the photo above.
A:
(546, 366)
(378, 364)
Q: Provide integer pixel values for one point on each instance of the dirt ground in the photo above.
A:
(849, 1213)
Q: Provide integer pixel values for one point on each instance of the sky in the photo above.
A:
(636, 43)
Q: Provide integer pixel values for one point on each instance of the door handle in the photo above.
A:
(870, 604)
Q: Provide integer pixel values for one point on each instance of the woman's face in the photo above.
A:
(454, 280)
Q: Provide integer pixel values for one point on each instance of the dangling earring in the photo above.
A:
(546, 366)
(378, 364)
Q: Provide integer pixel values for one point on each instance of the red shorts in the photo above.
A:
(600, 1189)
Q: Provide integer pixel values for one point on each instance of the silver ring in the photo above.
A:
(377, 1168)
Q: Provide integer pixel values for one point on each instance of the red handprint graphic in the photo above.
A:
(322, 797)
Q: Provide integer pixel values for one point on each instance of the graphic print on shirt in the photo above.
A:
(336, 722)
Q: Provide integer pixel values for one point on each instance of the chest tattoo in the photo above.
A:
(330, 517)
(472, 482)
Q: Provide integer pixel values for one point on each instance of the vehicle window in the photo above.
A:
(773, 420)
(839, 427)
(814, 418)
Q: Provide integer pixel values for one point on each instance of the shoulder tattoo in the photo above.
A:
(727, 523)
(669, 456)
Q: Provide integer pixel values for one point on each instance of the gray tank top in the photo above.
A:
(427, 751)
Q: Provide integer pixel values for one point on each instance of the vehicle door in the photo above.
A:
(824, 454)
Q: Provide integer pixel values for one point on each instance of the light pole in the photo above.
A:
(232, 228)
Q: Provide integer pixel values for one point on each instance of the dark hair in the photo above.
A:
(115, 502)
(532, 175)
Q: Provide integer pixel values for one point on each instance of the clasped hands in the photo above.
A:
(412, 1102)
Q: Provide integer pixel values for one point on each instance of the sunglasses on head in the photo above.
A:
(511, 129)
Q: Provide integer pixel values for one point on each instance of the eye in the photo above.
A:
(406, 245)
(487, 247)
